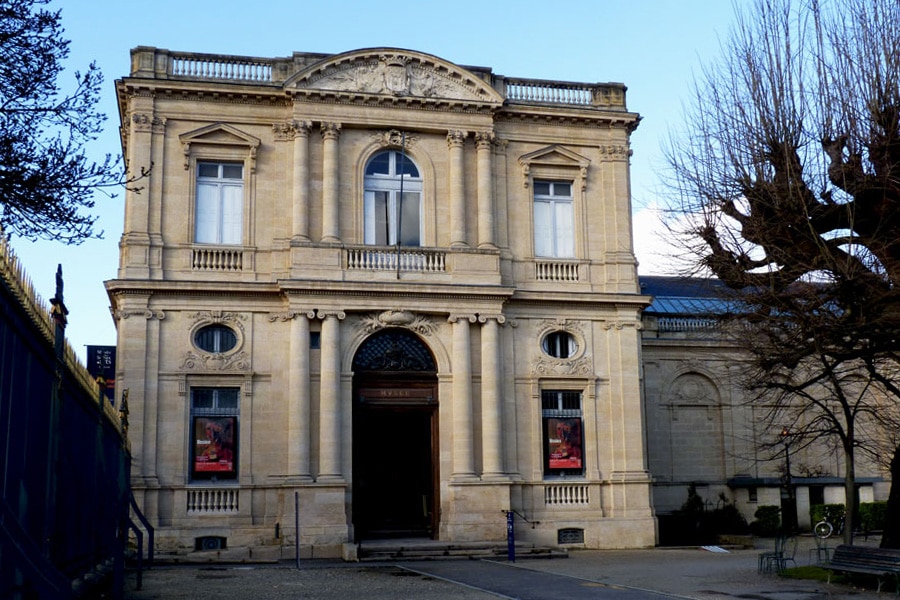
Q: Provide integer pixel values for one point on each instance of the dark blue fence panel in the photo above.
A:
(64, 461)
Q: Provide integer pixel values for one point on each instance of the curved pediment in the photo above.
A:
(395, 73)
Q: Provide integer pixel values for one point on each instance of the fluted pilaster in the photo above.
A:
(491, 406)
(455, 144)
(463, 437)
(300, 191)
(484, 142)
(329, 397)
(331, 133)
(299, 399)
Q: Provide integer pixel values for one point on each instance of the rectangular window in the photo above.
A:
(563, 433)
(554, 219)
(386, 212)
(214, 427)
(220, 203)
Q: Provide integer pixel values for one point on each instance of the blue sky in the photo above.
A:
(654, 47)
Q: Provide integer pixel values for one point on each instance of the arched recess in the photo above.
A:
(395, 437)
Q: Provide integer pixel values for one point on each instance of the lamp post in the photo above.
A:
(789, 520)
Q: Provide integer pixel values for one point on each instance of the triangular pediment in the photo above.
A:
(394, 73)
(556, 156)
(219, 134)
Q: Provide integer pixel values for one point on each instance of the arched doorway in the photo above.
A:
(395, 426)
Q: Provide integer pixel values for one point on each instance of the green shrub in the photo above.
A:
(768, 521)
(830, 512)
(872, 515)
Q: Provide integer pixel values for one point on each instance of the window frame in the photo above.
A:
(562, 418)
(389, 184)
(228, 231)
(226, 418)
(557, 206)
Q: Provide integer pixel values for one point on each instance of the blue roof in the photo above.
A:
(691, 296)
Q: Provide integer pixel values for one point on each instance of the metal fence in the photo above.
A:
(64, 457)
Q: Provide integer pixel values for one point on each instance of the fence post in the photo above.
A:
(510, 537)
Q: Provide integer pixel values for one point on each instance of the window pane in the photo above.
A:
(206, 231)
(379, 165)
(227, 398)
(409, 220)
(562, 189)
(201, 398)
(207, 169)
(543, 229)
(232, 214)
(565, 230)
(381, 218)
(233, 171)
(542, 188)
(406, 167)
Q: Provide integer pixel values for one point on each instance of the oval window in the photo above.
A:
(215, 338)
(559, 344)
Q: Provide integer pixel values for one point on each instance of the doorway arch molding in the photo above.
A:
(427, 329)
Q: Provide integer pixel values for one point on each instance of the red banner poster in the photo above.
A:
(564, 443)
(214, 445)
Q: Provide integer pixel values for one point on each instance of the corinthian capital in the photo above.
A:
(456, 137)
(330, 131)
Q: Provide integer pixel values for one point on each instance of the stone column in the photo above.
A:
(300, 195)
(484, 142)
(491, 406)
(463, 438)
(331, 133)
(299, 398)
(329, 397)
(455, 142)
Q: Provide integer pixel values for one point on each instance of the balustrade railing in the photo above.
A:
(368, 258)
(193, 65)
(212, 500)
(566, 494)
(550, 92)
(217, 259)
(222, 67)
(687, 324)
(559, 271)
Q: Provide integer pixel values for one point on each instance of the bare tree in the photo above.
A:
(47, 183)
(789, 170)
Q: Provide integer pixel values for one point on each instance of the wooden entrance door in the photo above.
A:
(394, 462)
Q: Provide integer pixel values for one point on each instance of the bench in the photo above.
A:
(881, 563)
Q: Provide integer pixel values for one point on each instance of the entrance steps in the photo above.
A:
(424, 549)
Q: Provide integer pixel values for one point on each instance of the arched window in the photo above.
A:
(390, 218)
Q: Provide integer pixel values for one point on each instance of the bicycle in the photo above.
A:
(825, 528)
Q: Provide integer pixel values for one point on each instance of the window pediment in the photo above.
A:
(553, 162)
(219, 135)
(395, 73)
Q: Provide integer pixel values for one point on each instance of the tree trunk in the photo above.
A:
(849, 497)
(890, 538)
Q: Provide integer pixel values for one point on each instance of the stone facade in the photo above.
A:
(702, 431)
(395, 292)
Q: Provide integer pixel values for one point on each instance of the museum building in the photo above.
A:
(376, 295)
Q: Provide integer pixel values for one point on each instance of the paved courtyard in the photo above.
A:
(627, 574)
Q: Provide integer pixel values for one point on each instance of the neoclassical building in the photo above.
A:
(378, 294)
(392, 291)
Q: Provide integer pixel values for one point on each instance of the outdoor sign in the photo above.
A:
(214, 446)
(564, 442)
(101, 363)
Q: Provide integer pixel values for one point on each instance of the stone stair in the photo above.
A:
(417, 549)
